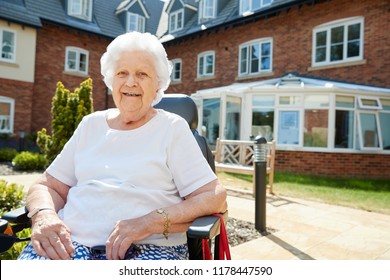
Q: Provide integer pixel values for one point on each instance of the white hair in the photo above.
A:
(135, 41)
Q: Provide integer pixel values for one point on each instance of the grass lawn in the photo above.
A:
(369, 195)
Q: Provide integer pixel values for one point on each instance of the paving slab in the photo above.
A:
(300, 229)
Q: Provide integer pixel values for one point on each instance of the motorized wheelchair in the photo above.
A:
(203, 228)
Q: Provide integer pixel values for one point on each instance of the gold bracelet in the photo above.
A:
(167, 222)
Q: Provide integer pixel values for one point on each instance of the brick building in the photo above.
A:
(313, 75)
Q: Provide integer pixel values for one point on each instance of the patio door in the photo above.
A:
(232, 117)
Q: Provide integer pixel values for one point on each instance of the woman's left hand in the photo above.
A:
(125, 233)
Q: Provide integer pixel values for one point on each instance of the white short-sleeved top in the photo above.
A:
(116, 175)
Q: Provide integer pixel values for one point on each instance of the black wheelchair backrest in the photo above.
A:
(184, 106)
(181, 105)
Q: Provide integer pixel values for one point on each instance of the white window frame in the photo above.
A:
(81, 9)
(369, 110)
(204, 56)
(378, 132)
(295, 106)
(139, 22)
(361, 100)
(13, 47)
(175, 62)
(10, 118)
(249, 45)
(352, 137)
(78, 52)
(176, 24)
(204, 7)
(345, 23)
(248, 6)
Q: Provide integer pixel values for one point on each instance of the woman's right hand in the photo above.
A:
(51, 237)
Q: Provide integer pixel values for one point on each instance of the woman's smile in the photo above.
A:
(132, 94)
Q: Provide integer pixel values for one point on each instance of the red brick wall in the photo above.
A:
(52, 41)
(334, 164)
(292, 45)
(21, 92)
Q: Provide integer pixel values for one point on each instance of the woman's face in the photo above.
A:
(135, 85)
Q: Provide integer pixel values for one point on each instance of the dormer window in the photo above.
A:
(207, 10)
(135, 22)
(176, 21)
(248, 6)
(81, 9)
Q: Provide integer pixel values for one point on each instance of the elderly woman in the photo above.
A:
(132, 178)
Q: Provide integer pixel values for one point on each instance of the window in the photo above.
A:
(176, 70)
(344, 122)
(369, 103)
(337, 42)
(289, 119)
(6, 114)
(76, 60)
(252, 5)
(7, 39)
(207, 10)
(316, 116)
(368, 123)
(361, 123)
(384, 118)
(176, 21)
(206, 64)
(288, 128)
(263, 116)
(255, 57)
(210, 124)
(81, 9)
(369, 130)
(135, 22)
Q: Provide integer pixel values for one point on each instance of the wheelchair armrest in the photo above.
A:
(206, 227)
(10, 224)
(17, 216)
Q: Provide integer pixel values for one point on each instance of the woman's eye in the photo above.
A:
(142, 75)
(121, 73)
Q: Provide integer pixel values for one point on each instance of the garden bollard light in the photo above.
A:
(260, 162)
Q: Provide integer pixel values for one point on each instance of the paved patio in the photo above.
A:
(309, 230)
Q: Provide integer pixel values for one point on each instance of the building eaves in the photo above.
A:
(18, 14)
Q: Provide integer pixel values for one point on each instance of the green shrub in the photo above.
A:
(29, 161)
(7, 154)
(68, 109)
(12, 197)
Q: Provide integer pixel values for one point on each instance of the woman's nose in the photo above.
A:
(131, 80)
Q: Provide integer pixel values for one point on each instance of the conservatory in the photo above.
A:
(299, 113)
